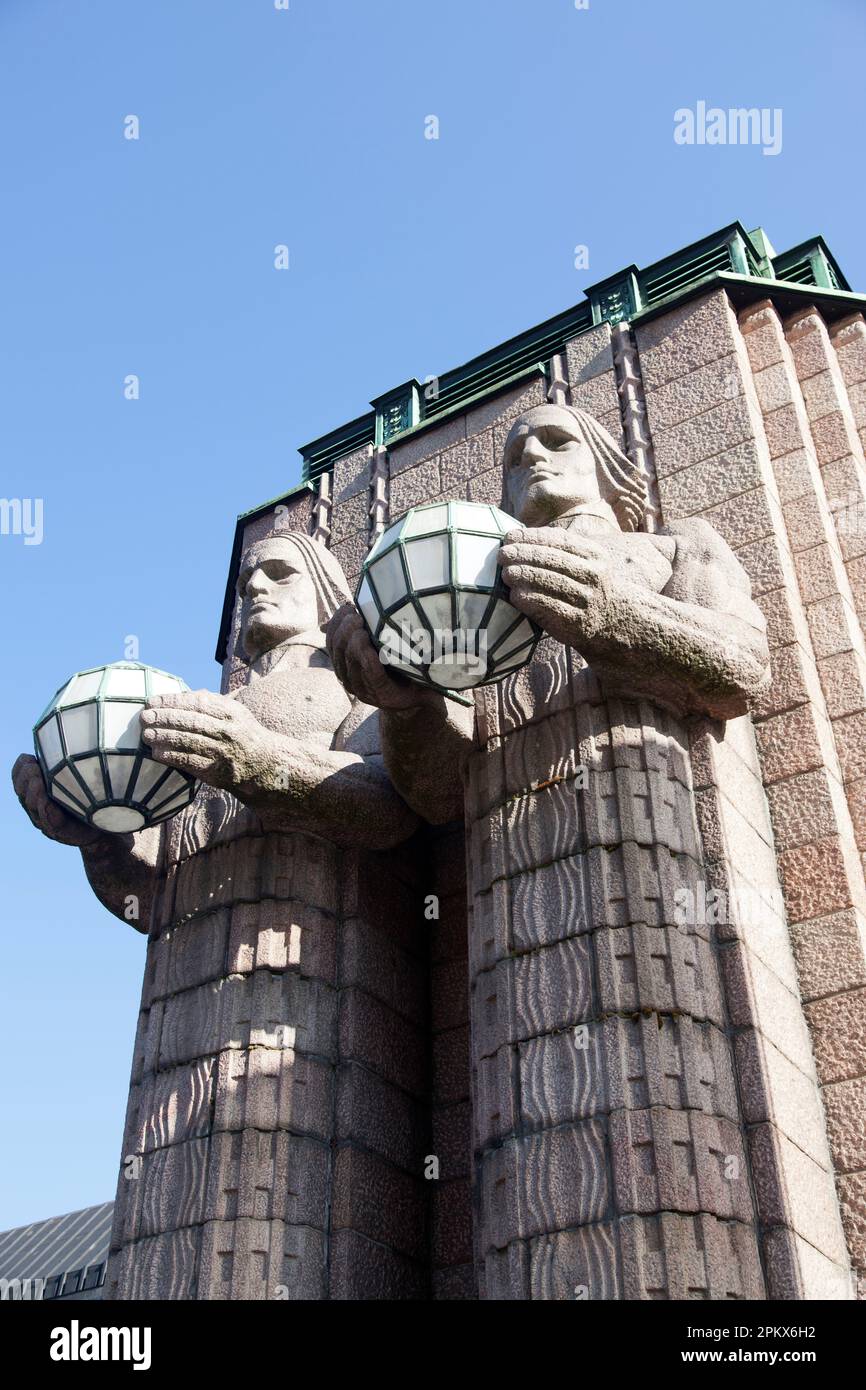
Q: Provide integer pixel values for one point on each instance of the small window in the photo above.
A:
(52, 1286)
(73, 1282)
(95, 1277)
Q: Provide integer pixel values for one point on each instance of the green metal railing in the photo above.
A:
(731, 251)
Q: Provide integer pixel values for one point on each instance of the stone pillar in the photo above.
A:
(277, 1111)
(453, 1270)
(818, 461)
(848, 336)
(704, 389)
(609, 1149)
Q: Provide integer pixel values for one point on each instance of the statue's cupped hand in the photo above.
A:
(45, 813)
(359, 669)
(564, 580)
(212, 737)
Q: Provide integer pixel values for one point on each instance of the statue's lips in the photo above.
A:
(260, 605)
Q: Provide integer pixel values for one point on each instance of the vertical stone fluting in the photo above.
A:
(715, 459)
(557, 380)
(634, 417)
(322, 510)
(378, 492)
(817, 462)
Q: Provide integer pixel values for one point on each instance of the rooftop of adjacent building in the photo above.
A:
(61, 1257)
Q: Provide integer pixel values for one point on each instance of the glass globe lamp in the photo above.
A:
(432, 596)
(89, 747)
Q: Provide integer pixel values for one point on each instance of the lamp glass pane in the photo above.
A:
(516, 660)
(427, 519)
(506, 522)
(123, 681)
(119, 771)
(429, 563)
(65, 779)
(148, 774)
(471, 609)
(120, 819)
(406, 619)
(367, 605)
(385, 539)
(60, 795)
(121, 725)
(91, 770)
(503, 616)
(83, 687)
(457, 675)
(49, 742)
(470, 516)
(176, 804)
(522, 633)
(387, 577)
(476, 560)
(79, 728)
(165, 685)
(507, 667)
(407, 668)
(401, 635)
(438, 610)
(171, 787)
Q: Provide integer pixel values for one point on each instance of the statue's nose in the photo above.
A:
(534, 451)
(257, 583)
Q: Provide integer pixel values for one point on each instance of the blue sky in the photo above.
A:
(155, 257)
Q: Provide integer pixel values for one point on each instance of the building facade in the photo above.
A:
(706, 1139)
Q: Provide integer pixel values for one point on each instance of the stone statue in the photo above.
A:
(668, 615)
(604, 1105)
(228, 1173)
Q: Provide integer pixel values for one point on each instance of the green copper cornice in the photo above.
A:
(745, 262)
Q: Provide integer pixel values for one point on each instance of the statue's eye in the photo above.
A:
(554, 439)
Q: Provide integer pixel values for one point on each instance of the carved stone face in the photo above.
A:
(279, 597)
(549, 467)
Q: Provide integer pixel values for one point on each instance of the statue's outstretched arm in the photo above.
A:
(291, 783)
(698, 645)
(425, 737)
(120, 868)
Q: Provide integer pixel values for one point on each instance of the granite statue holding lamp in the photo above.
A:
(226, 1179)
(574, 778)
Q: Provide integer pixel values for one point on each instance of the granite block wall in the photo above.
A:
(732, 417)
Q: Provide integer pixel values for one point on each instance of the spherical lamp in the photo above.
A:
(432, 596)
(89, 747)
